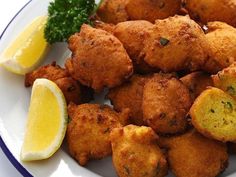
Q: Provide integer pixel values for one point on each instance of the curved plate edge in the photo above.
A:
(3, 146)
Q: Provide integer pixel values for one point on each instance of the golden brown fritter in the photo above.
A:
(89, 130)
(166, 102)
(193, 155)
(131, 34)
(130, 95)
(221, 38)
(113, 11)
(226, 80)
(98, 59)
(197, 82)
(151, 10)
(72, 90)
(109, 27)
(174, 44)
(212, 10)
(135, 152)
(213, 114)
(50, 71)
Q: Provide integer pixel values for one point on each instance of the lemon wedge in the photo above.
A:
(46, 123)
(27, 50)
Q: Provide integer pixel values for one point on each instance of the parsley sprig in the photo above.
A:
(65, 17)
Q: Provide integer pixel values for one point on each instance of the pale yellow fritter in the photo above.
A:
(135, 152)
(213, 114)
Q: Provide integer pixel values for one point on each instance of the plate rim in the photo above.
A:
(21, 169)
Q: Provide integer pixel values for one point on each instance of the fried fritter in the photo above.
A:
(98, 59)
(135, 152)
(193, 155)
(50, 71)
(197, 82)
(221, 38)
(151, 10)
(113, 11)
(166, 102)
(72, 90)
(174, 44)
(89, 130)
(213, 114)
(131, 34)
(212, 10)
(130, 95)
(226, 80)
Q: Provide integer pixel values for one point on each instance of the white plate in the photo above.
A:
(14, 106)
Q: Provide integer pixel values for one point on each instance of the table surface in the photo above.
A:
(7, 11)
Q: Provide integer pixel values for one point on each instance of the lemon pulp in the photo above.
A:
(47, 119)
(28, 49)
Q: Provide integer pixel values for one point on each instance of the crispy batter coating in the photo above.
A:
(109, 27)
(113, 11)
(193, 155)
(197, 82)
(135, 152)
(213, 114)
(166, 102)
(98, 59)
(50, 71)
(151, 10)
(72, 90)
(226, 80)
(212, 10)
(131, 34)
(89, 130)
(174, 44)
(130, 95)
(221, 38)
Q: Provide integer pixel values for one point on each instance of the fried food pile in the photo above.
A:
(171, 81)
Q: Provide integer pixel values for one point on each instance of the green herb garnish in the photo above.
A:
(164, 41)
(65, 17)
